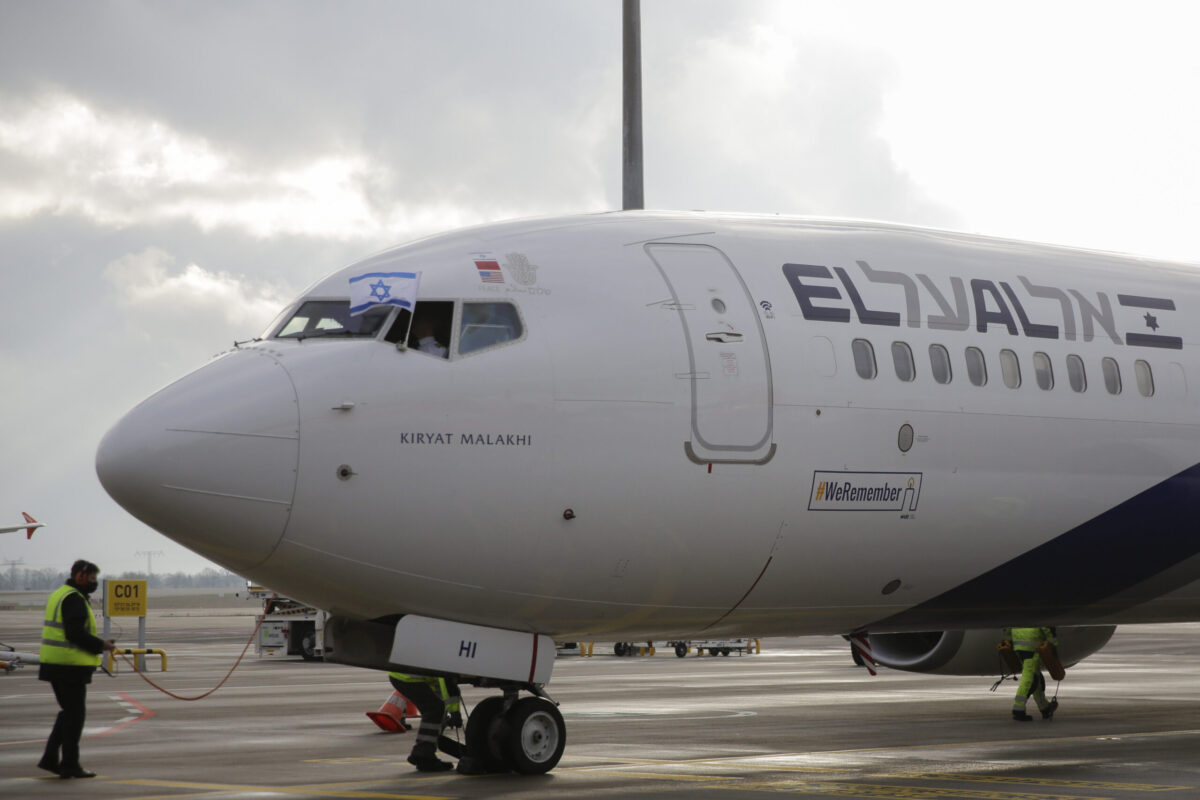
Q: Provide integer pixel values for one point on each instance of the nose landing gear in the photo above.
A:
(520, 735)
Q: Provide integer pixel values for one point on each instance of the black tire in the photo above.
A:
(681, 649)
(724, 651)
(712, 651)
(536, 736)
(486, 733)
(619, 648)
(308, 648)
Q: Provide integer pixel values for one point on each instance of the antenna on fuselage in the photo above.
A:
(631, 183)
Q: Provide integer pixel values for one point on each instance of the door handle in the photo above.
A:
(725, 337)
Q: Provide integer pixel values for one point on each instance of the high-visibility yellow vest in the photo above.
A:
(1028, 639)
(55, 647)
(452, 703)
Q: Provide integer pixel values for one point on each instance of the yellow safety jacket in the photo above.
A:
(55, 647)
(1028, 639)
(453, 702)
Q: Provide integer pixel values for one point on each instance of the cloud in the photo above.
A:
(758, 119)
(122, 171)
(148, 281)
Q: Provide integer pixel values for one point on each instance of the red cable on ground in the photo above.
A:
(168, 692)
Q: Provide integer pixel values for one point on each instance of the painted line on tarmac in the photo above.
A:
(884, 791)
(868, 790)
(1016, 779)
(655, 776)
(653, 716)
(1094, 737)
(310, 789)
(136, 713)
(874, 791)
(913, 747)
(616, 764)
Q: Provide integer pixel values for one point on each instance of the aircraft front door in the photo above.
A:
(729, 367)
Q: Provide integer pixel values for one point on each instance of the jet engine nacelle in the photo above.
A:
(974, 652)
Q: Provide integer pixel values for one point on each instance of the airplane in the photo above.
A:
(645, 425)
(29, 527)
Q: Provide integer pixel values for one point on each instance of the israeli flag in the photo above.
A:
(383, 289)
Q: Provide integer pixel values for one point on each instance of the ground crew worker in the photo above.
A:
(1025, 643)
(69, 655)
(438, 701)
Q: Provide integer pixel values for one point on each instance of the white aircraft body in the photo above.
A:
(29, 526)
(651, 426)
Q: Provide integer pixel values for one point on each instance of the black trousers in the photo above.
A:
(433, 709)
(433, 715)
(68, 726)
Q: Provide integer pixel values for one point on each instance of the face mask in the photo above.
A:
(91, 586)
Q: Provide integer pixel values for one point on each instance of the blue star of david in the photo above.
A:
(1151, 322)
(380, 290)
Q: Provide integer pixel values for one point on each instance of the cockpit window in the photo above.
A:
(487, 324)
(429, 333)
(332, 318)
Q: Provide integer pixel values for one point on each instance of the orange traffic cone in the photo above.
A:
(391, 715)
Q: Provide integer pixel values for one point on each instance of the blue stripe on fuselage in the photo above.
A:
(1107, 555)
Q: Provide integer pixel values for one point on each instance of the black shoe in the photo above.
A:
(470, 765)
(75, 772)
(1021, 716)
(48, 765)
(1049, 710)
(429, 763)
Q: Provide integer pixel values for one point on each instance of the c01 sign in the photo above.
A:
(124, 598)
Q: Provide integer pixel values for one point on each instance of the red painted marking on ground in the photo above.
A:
(146, 714)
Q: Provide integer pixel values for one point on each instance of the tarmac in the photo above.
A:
(798, 718)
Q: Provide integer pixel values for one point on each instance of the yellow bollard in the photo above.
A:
(136, 651)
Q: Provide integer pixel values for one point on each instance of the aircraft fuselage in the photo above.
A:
(707, 424)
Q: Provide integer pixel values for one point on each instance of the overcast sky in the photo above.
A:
(171, 173)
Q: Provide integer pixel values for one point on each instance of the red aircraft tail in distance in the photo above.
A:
(29, 527)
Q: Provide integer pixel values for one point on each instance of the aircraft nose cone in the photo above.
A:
(210, 461)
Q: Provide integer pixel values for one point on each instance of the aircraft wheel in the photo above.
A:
(681, 649)
(536, 736)
(485, 734)
(308, 648)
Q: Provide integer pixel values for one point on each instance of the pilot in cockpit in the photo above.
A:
(431, 329)
(424, 339)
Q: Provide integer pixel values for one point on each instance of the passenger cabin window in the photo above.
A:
(1076, 374)
(332, 318)
(1112, 375)
(486, 325)
(939, 363)
(1145, 379)
(1010, 369)
(1043, 371)
(976, 367)
(864, 358)
(902, 359)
